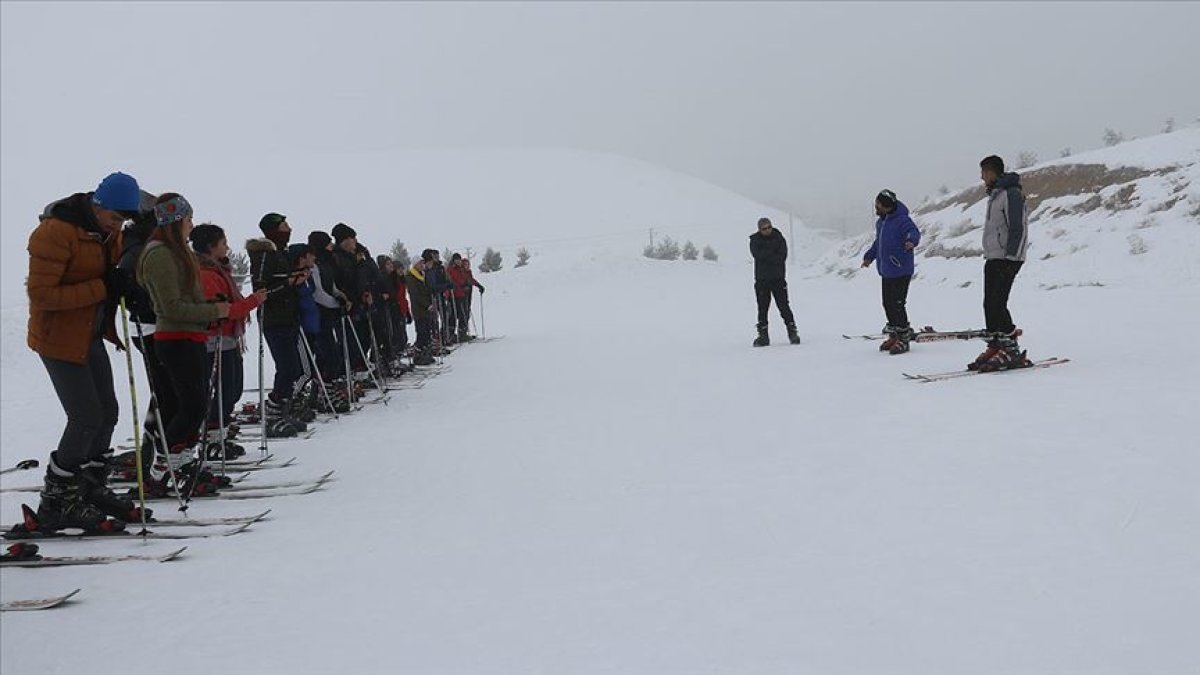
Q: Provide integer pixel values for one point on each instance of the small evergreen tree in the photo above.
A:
(400, 255)
(709, 254)
(648, 251)
(491, 261)
(240, 262)
(1112, 137)
(667, 249)
(522, 257)
(944, 190)
(1026, 159)
(446, 253)
(1065, 152)
(689, 251)
(1169, 125)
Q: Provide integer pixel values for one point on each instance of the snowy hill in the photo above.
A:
(622, 485)
(1111, 216)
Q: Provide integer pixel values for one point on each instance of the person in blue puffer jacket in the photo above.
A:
(896, 235)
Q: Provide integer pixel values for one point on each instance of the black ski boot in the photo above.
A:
(763, 338)
(793, 336)
(96, 473)
(65, 504)
(424, 358)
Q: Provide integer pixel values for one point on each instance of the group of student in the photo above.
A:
(332, 316)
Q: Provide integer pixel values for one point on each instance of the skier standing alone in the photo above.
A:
(1005, 239)
(769, 249)
(896, 235)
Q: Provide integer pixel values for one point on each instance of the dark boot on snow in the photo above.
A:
(763, 339)
(64, 504)
(793, 336)
(900, 340)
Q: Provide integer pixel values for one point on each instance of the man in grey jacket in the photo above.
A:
(1005, 239)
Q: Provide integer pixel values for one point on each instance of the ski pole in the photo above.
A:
(367, 364)
(346, 352)
(320, 380)
(214, 379)
(137, 429)
(221, 402)
(482, 323)
(262, 389)
(158, 421)
(375, 346)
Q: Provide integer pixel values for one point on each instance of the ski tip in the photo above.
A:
(172, 555)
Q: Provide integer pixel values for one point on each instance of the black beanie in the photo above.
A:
(271, 222)
(886, 199)
(318, 240)
(205, 236)
(428, 254)
(342, 232)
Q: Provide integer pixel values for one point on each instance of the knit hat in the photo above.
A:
(428, 254)
(886, 199)
(118, 192)
(342, 232)
(204, 236)
(271, 222)
(456, 257)
(318, 240)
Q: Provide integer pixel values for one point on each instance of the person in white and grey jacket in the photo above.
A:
(1005, 240)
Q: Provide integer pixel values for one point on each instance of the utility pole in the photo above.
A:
(792, 237)
(652, 237)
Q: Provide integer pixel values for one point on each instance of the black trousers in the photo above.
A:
(162, 403)
(186, 364)
(87, 396)
(998, 276)
(763, 290)
(895, 300)
(231, 385)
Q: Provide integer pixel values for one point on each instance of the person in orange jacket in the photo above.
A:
(464, 282)
(73, 288)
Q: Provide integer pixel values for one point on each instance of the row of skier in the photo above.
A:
(334, 318)
(1005, 241)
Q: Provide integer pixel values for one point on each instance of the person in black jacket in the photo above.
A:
(280, 316)
(332, 303)
(770, 279)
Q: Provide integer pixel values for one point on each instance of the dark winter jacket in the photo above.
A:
(419, 293)
(133, 240)
(770, 256)
(310, 317)
(435, 277)
(269, 269)
(1006, 226)
(892, 259)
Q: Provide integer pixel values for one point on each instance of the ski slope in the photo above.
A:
(623, 485)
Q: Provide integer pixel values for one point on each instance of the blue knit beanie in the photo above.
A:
(118, 192)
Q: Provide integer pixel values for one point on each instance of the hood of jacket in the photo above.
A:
(259, 245)
(1006, 181)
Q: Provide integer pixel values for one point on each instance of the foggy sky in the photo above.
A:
(808, 106)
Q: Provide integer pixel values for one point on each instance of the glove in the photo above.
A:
(114, 283)
(481, 290)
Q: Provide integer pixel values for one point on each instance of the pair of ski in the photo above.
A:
(956, 374)
(261, 490)
(222, 527)
(38, 560)
(928, 334)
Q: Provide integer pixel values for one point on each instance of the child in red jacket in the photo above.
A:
(226, 337)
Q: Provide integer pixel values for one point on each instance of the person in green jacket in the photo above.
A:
(169, 272)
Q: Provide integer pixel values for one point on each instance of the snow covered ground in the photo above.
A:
(622, 485)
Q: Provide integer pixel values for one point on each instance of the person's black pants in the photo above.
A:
(998, 276)
(186, 364)
(231, 386)
(86, 394)
(763, 290)
(424, 333)
(162, 402)
(285, 351)
(895, 300)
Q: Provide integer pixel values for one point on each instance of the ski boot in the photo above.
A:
(900, 340)
(424, 358)
(21, 551)
(1008, 355)
(793, 336)
(997, 343)
(95, 474)
(763, 339)
(890, 331)
(64, 504)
